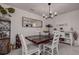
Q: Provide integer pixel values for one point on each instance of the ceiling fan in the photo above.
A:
(50, 14)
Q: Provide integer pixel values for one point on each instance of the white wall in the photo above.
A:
(16, 23)
(71, 19)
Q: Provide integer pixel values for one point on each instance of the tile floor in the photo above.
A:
(64, 49)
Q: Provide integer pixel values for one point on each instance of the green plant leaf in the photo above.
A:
(3, 11)
(11, 10)
(1, 7)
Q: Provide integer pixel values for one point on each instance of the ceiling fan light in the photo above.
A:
(55, 13)
(52, 16)
(50, 12)
(43, 15)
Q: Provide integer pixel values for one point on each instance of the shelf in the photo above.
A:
(5, 32)
(4, 38)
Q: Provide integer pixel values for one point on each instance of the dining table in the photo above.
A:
(36, 39)
(40, 40)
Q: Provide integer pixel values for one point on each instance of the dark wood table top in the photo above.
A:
(38, 39)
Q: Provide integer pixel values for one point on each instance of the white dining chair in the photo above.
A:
(69, 37)
(28, 49)
(52, 47)
(62, 35)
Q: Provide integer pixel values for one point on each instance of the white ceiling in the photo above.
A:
(42, 8)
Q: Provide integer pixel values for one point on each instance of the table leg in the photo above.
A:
(41, 48)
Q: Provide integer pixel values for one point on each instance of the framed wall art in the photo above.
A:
(29, 22)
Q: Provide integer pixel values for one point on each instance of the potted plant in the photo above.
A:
(6, 11)
(2, 10)
(48, 26)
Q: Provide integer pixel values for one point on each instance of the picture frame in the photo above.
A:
(31, 23)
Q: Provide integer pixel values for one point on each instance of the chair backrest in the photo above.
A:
(71, 35)
(62, 34)
(55, 39)
(23, 43)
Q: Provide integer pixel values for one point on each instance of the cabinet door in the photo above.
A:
(5, 29)
(4, 46)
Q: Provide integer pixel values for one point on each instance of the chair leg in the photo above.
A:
(71, 42)
(52, 52)
(43, 49)
(71, 39)
(57, 51)
(38, 52)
